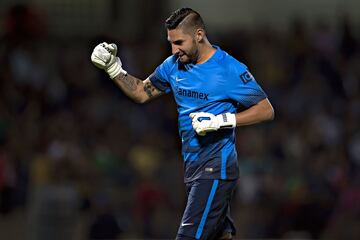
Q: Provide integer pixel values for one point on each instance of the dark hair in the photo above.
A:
(191, 17)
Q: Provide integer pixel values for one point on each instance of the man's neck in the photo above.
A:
(206, 52)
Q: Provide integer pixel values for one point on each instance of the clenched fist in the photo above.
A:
(104, 57)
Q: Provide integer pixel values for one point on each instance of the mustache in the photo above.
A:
(180, 54)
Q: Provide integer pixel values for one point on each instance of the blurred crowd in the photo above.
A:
(79, 160)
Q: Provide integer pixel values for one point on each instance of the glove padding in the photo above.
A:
(203, 122)
(104, 57)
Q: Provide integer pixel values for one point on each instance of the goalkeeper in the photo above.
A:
(209, 86)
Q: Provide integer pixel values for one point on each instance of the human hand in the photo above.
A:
(104, 57)
(203, 122)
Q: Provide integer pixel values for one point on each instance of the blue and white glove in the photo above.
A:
(104, 57)
(203, 122)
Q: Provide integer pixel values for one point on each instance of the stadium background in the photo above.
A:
(78, 160)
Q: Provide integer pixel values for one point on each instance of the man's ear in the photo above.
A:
(199, 34)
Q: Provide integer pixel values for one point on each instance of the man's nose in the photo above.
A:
(175, 50)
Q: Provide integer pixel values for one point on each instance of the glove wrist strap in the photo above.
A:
(227, 120)
(115, 69)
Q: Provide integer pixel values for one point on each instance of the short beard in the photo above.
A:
(194, 55)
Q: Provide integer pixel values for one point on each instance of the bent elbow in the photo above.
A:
(266, 110)
(139, 100)
(270, 114)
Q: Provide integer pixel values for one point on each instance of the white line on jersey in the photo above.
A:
(179, 79)
(186, 224)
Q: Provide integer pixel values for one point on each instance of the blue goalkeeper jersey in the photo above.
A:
(219, 85)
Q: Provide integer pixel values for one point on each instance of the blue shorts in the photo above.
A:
(206, 214)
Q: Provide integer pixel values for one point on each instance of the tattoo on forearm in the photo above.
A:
(130, 82)
(149, 89)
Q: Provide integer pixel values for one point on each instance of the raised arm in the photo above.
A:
(104, 56)
(136, 89)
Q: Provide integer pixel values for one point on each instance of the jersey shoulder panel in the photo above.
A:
(160, 78)
(244, 87)
(234, 65)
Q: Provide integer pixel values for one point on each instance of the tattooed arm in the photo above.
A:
(104, 57)
(136, 89)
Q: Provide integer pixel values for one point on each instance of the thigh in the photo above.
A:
(206, 209)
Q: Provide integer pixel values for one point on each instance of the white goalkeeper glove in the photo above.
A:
(104, 57)
(203, 122)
